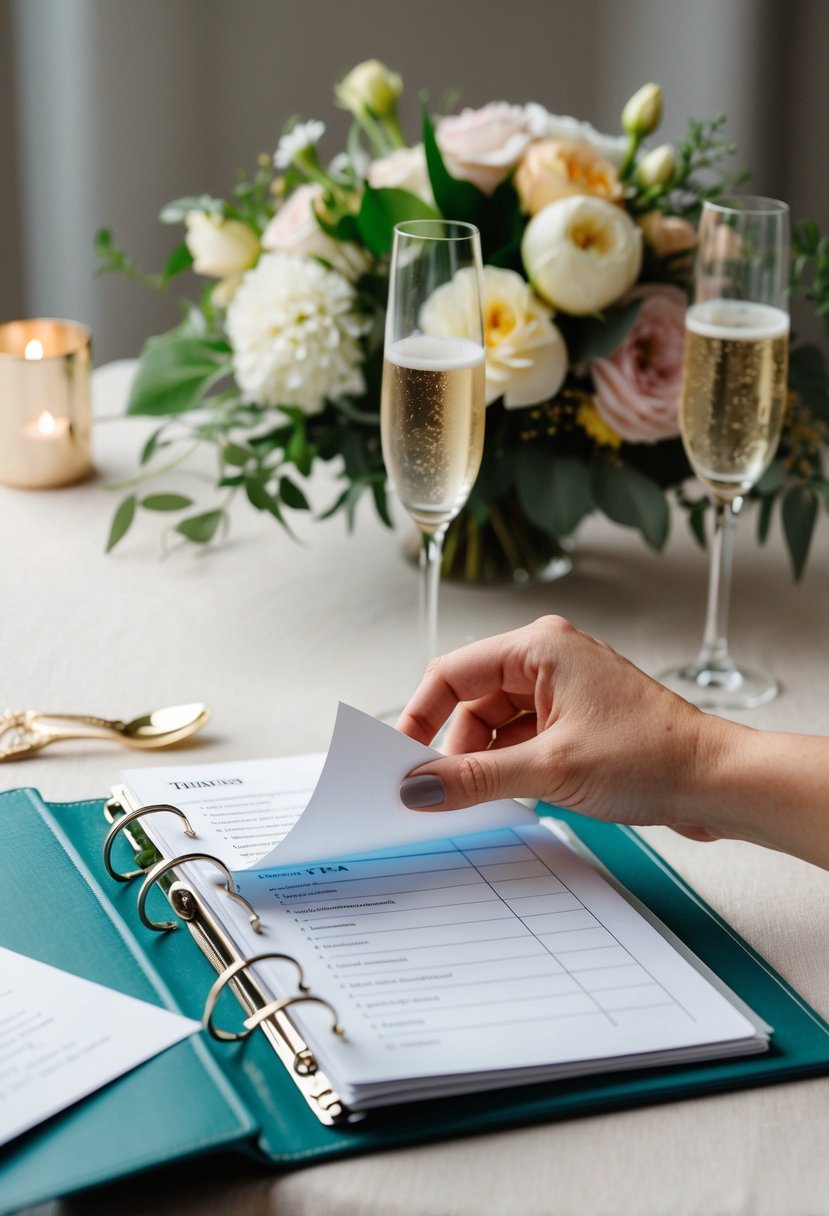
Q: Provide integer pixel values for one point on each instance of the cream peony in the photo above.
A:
(482, 146)
(638, 388)
(220, 248)
(526, 359)
(403, 169)
(581, 253)
(295, 334)
(556, 168)
(294, 230)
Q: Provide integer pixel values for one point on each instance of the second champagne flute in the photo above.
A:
(433, 397)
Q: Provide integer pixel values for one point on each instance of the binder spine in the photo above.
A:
(272, 1017)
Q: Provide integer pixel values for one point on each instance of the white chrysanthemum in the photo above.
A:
(304, 135)
(295, 334)
(526, 359)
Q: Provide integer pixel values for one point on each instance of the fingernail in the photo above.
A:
(417, 792)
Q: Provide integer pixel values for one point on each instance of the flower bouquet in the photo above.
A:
(587, 241)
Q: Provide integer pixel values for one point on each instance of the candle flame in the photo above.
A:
(33, 349)
(46, 423)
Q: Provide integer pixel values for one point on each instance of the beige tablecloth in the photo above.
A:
(270, 633)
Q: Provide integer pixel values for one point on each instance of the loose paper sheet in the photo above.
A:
(63, 1037)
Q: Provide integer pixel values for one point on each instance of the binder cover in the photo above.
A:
(58, 905)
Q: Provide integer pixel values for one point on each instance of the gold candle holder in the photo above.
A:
(45, 408)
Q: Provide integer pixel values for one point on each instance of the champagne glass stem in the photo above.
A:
(431, 554)
(714, 653)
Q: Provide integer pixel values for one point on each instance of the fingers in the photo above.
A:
(466, 780)
(470, 674)
(471, 728)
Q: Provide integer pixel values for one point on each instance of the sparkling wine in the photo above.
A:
(734, 391)
(433, 409)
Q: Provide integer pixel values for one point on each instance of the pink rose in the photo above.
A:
(638, 387)
(403, 169)
(481, 146)
(294, 230)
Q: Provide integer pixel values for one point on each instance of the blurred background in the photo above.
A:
(109, 108)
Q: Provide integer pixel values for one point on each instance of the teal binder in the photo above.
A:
(58, 905)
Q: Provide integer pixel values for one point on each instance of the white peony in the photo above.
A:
(581, 253)
(295, 334)
(562, 126)
(526, 359)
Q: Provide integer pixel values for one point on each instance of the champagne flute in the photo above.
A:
(432, 402)
(733, 400)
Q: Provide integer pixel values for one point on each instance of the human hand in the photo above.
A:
(549, 712)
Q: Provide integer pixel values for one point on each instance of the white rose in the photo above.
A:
(220, 248)
(294, 230)
(403, 169)
(526, 359)
(581, 253)
(481, 146)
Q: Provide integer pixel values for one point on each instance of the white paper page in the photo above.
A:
(261, 813)
(238, 809)
(62, 1038)
(501, 951)
(356, 805)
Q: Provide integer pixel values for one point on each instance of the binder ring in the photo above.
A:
(124, 821)
(301, 1061)
(160, 869)
(241, 964)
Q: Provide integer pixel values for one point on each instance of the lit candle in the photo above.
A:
(45, 415)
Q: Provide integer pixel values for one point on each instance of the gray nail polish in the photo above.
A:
(417, 792)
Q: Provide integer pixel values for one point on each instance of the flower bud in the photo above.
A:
(371, 85)
(220, 247)
(657, 168)
(643, 113)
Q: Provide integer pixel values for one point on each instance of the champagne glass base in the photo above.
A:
(716, 688)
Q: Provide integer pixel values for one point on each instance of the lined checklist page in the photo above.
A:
(502, 951)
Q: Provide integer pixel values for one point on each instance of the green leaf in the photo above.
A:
(630, 498)
(764, 518)
(696, 519)
(235, 454)
(292, 496)
(151, 446)
(124, 515)
(176, 371)
(200, 528)
(180, 259)
(553, 490)
(166, 502)
(599, 337)
(380, 210)
(773, 479)
(381, 502)
(175, 212)
(800, 508)
(455, 198)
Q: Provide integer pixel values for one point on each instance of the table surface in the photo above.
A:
(271, 633)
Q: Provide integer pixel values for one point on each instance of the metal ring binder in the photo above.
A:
(131, 817)
(241, 964)
(276, 1007)
(160, 869)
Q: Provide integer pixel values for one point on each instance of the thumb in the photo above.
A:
(459, 781)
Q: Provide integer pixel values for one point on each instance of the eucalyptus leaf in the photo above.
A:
(151, 446)
(598, 337)
(175, 212)
(200, 528)
(121, 521)
(166, 502)
(799, 511)
(629, 497)
(696, 520)
(176, 371)
(235, 454)
(553, 490)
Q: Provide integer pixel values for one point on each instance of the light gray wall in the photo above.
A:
(121, 105)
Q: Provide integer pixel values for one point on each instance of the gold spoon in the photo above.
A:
(23, 732)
